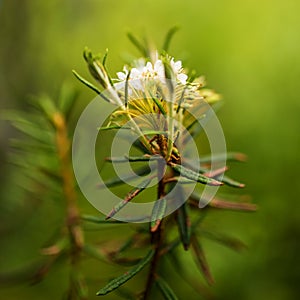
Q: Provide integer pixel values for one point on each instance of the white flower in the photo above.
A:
(143, 71)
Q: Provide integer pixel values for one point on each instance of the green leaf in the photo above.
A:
(169, 74)
(98, 220)
(228, 181)
(230, 156)
(158, 104)
(154, 132)
(192, 175)
(170, 247)
(87, 83)
(176, 262)
(192, 76)
(188, 277)
(105, 57)
(201, 260)
(125, 293)
(93, 252)
(184, 225)
(181, 99)
(78, 284)
(48, 107)
(67, 98)
(21, 274)
(158, 213)
(144, 51)
(132, 158)
(241, 206)
(165, 289)
(127, 244)
(140, 146)
(169, 37)
(112, 127)
(117, 180)
(142, 186)
(51, 174)
(224, 204)
(228, 241)
(196, 128)
(128, 159)
(115, 283)
(126, 88)
(29, 145)
(103, 66)
(33, 130)
(96, 68)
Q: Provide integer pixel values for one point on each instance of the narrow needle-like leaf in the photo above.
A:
(230, 156)
(126, 294)
(201, 260)
(117, 180)
(227, 180)
(133, 158)
(127, 244)
(112, 127)
(169, 37)
(30, 128)
(98, 220)
(87, 83)
(214, 173)
(67, 98)
(242, 206)
(190, 174)
(129, 197)
(126, 158)
(228, 241)
(105, 58)
(137, 44)
(115, 283)
(158, 104)
(154, 132)
(93, 252)
(91, 86)
(165, 289)
(126, 88)
(158, 213)
(181, 99)
(184, 225)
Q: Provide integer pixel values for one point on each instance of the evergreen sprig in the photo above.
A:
(48, 135)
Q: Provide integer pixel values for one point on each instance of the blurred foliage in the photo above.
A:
(249, 52)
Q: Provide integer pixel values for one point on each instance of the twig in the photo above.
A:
(157, 235)
(72, 211)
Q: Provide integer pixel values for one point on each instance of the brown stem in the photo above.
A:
(72, 214)
(157, 235)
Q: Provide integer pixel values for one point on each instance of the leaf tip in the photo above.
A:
(241, 157)
(155, 226)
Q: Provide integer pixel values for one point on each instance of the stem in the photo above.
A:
(157, 236)
(72, 211)
(63, 149)
(170, 119)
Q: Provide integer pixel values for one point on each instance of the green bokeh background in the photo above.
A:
(249, 51)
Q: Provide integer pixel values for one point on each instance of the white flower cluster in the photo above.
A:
(154, 71)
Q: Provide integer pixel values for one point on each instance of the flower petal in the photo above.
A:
(182, 78)
(121, 75)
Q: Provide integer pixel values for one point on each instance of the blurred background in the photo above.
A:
(249, 52)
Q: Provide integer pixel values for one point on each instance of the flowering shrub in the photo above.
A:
(160, 103)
